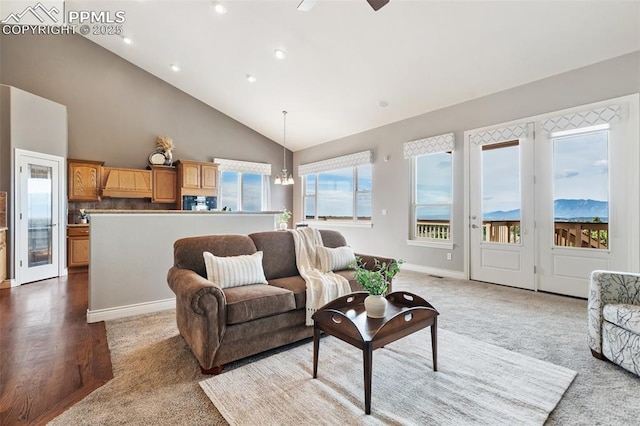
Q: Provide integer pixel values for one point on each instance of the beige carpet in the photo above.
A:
(156, 376)
(476, 383)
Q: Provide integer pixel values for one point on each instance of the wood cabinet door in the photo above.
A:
(164, 186)
(190, 175)
(84, 181)
(209, 176)
(78, 251)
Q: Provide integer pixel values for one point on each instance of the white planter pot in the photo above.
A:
(375, 305)
(283, 225)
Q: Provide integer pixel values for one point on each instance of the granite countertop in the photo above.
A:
(114, 211)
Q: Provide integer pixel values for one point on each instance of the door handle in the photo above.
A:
(474, 226)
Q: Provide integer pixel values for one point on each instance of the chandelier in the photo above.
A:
(284, 178)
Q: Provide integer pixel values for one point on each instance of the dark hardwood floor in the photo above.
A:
(50, 357)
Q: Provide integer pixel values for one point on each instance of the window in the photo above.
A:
(244, 185)
(581, 189)
(338, 189)
(343, 194)
(431, 190)
(500, 185)
(241, 191)
(432, 196)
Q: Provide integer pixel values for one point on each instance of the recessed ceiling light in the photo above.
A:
(251, 78)
(220, 7)
(175, 68)
(280, 54)
(383, 104)
(127, 40)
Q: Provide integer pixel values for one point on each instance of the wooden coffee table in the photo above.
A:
(346, 319)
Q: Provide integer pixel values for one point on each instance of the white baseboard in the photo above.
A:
(130, 310)
(434, 271)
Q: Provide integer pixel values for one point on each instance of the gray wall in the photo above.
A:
(116, 109)
(392, 180)
(31, 123)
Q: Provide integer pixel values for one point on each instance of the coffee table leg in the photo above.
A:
(316, 348)
(434, 343)
(368, 361)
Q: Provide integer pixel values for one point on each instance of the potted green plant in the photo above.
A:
(376, 282)
(285, 215)
(84, 216)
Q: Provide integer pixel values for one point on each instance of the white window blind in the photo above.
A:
(225, 165)
(351, 160)
(581, 119)
(440, 143)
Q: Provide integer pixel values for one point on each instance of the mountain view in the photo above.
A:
(565, 211)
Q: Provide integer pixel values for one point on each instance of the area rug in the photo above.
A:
(476, 383)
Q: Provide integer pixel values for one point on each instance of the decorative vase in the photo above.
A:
(283, 225)
(375, 305)
(83, 220)
(168, 158)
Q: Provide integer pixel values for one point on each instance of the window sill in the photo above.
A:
(337, 224)
(431, 244)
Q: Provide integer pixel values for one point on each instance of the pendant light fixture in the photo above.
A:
(284, 178)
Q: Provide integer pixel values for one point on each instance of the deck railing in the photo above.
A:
(436, 229)
(566, 234)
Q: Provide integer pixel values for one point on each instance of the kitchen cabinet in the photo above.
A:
(77, 246)
(164, 184)
(84, 178)
(3, 255)
(197, 178)
(126, 183)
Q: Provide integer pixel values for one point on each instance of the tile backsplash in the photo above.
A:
(73, 212)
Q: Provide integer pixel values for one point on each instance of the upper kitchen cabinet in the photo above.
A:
(84, 180)
(197, 178)
(164, 184)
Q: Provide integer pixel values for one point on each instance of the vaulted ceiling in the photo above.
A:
(345, 62)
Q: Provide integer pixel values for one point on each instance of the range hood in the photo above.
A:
(126, 183)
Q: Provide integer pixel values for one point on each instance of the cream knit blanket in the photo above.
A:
(322, 287)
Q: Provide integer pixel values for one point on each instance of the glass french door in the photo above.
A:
(38, 217)
(501, 201)
(548, 207)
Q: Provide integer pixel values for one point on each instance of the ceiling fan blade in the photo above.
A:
(306, 5)
(377, 4)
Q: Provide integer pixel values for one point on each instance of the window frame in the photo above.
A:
(354, 221)
(414, 239)
(239, 186)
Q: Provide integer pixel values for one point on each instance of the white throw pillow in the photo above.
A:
(234, 271)
(334, 259)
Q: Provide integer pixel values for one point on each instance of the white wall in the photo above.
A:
(392, 180)
(131, 253)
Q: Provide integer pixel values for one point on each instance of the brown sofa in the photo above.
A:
(224, 325)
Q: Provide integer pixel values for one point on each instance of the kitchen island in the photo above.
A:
(131, 252)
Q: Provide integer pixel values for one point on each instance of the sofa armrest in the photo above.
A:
(608, 287)
(201, 313)
(369, 263)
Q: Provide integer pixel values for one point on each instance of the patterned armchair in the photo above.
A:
(614, 318)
